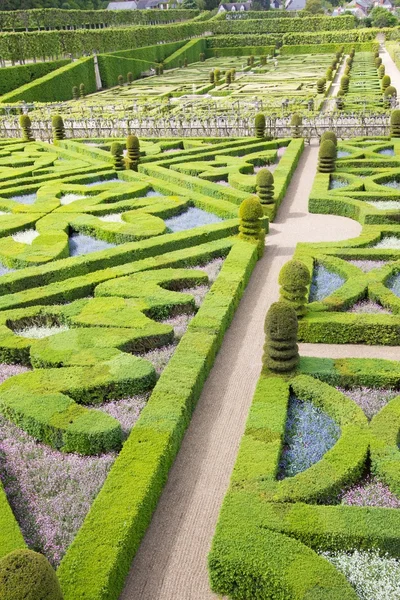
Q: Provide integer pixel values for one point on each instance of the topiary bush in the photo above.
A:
(57, 124)
(82, 90)
(294, 280)
(381, 71)
(344, 84)
(185, 62)
(281, 353)
(212, 77)
(296, 123)
(339, 102)
(321, 83)
(259, 123)
(378, 62)
(26, 128)
(27, 575)
(250, 225)
(217, 75)
(228, 78)
(329, 135)
(75, 92)
(386, 81)
(133, 154)
(129, 78)
(395, 123)
(390, 92)
(118, 156)
(265, 186)
(233, 74)
(326, 157)
(202, 57)
(120, 80)
(329, 74)
(263, 60)
(376, 54)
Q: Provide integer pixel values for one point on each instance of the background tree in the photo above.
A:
(381, 17)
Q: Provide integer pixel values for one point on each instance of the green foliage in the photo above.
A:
(329, 135)
(381, 71)
(294, 279)
(82, 90)
(57, 125)
(129, 77)
(121, 79)
(344, 84)
(314, 7)
(117, 154)
(327, 156)
(265, 186)
(133, 155)
(385, 82)
(260, 123)
(321, 86)
(27, 575)
(381, 17)
(296, 122)
(329, 74)
(25, 124)
(75, 92)
(395, 123)
(281, 353)
(378, 62)
(13, 78)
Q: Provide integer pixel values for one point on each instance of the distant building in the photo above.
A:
(234, 7)
(295, 4)
(276, 4)
(141, 5)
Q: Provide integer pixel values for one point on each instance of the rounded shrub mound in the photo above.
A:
(281, 353)
(344, 84)
(265, 186)
(390, 91)
(133, 151)
(294, 280)
(296, 123)
(120, 80)
(259, 124)
(82, 90)
(75, 92)
(386, 81)
(250, 227)
(26, 128)
(212, 77)
(329, 74)
(57, 124)
(327, 157)
(117, 154)
(378, 62)
(329, 135)
(321, 83)
(129, 77)
(381, 71)
(395, 123)
(27, 575)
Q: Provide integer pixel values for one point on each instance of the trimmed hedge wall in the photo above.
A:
(58, 84)
(331, 37)
(100, 556)
(309, 24)
(154, 54)
(191, 51)
(329, 48)
(112, 66)
(241, 51)
(15, 77)
(239, 41)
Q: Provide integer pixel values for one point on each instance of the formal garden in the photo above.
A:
(164, 179)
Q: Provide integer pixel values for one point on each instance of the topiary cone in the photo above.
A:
(57, 124)
(117, 154)
(133, 154)
(260, 124)
(327, 157)
(26, 127)
(27, 575)
(250, 225)
(281, 352)
(265, 186)
(294, 279)
(395, 123)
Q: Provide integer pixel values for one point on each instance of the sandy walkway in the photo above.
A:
(330, 102)
(171, 563)
(390, 68)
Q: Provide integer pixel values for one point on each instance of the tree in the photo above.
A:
(381, 17)
(189, 4)
(313, 7)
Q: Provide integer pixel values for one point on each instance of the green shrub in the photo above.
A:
(118, 156)
(296, 122)
(212, 77)
(75, 92)
(381, 71)
(329, 74)
(185, 62)
(326, 157)
(281, 353)
(120, 80)
(202, 57)
(133, 155)
(27, 575)
(217, 75)
(228, 78)
(250, 224)
(321, 83)
(57, 124)
(386, 81)
(82, 90)
(265, 186)
(390, 92)
(344, 84)
(294, 279)
(129, 78)
(395, 123)
(378, 62)
(26, 127)
(260, 125)
(329, 135)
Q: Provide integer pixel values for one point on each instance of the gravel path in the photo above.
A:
(171, 563)
(390, 68)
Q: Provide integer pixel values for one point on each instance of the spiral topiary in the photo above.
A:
(344, 84)
(82, 90)
(378, 62)
(395, 123)
(27, 575)
(217, 75)
(347, 71)
(326, 157)
(233, 74)
(118, 156)
(294, 280)
(26, 128)
(381, 71)
(250, 226)
(321, 83)
(386, 81)
(334, 64)
(57, 124)
(281, 352)
(212, 77)
(75, 92)
(339, 102)
(265, 186)
(329, 135)
(133, 154)
(389, 93)
(228, 78)
(129, 78)
(259, 123)
(296, 123)
(329, 74)
(120, 80)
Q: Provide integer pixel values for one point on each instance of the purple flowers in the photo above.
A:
(310, 433)
(370, 400)
(370, 492)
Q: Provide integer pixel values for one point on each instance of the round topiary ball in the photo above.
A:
(57, 122)
(27, 575)
(321, 85)
(281, 322)
(327, 149)
(395, 123)
(329, 135)
(25, 121)
(294, 274)
(132, 142)
(296, 120)
(386, 81)
(264, 178)
(260, 123)
(378, 62)
(116, 149)
(390, 91)
(251, 209)
(329, 74)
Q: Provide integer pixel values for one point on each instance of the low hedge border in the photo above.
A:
(96, 567)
